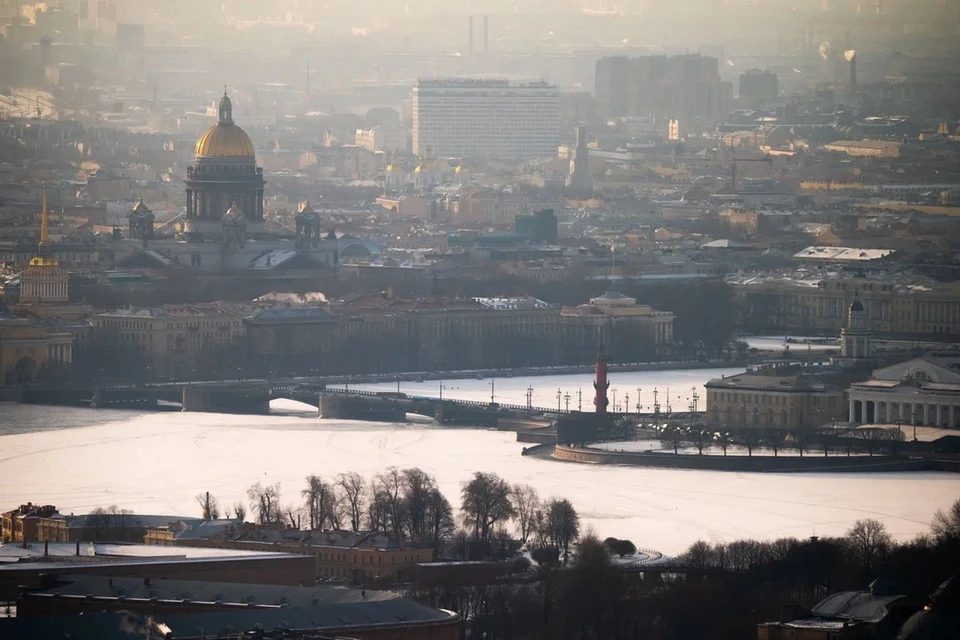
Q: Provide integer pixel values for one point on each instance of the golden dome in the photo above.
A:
(225, 139)
(43, 261)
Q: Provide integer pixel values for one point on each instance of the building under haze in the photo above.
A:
(486, 118)
(677, 87)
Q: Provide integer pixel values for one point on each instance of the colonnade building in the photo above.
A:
(924, 391)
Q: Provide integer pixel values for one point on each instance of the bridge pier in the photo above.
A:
(342, 407)
(122, 399)
(208, 400)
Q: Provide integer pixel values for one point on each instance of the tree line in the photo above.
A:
(494, 520)
(715, 590)
(802, 440)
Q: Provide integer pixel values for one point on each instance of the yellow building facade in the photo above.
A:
(175, 341)
(28, 351)
(772, 400)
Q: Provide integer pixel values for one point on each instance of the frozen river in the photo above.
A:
(79, 459)
(624, 388)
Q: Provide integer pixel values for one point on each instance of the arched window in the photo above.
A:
(715, 415)
(800, 418)
(729, 416)
(756, 417)
(783, 417)
(769, 417)
(743, 415)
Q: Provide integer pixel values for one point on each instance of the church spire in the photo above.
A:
(44, 224)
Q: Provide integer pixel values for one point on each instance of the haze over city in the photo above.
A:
(460, 320)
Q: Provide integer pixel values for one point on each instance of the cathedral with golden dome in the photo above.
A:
(222, 228)
(224, 174)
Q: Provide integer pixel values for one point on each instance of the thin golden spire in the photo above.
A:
(44, 234)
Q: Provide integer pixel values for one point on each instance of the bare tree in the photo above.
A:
(439, 521)
(388, 487)
(724, 439)
(239, 511)
(320, 501)
(801, 439)
(526, 502)
(209, 506)
(563, 523)
(485, 502)
(353, 494)
(672, 437)
(265, 503)
(699, 438)
(775, 439)
(418, 486)
(874, 437)
(378, 512)
(292, 513)
(749, 438)
(698, 556)
(946, 524)
(868, 542)
(112, 523)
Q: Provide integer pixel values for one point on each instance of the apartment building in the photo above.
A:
(485, 118)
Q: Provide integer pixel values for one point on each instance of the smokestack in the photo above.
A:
(851, 57)
(470, 36)
(486, 35)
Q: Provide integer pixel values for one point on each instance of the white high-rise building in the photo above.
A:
(486, 118)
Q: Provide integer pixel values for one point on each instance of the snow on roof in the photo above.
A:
(842, 253)
(509, 304)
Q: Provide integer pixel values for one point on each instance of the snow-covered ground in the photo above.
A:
(156, 463)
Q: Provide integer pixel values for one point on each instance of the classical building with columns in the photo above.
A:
(924, 391)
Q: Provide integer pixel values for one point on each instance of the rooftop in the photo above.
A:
(842, 254)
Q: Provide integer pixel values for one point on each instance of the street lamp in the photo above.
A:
(580, 399)
(529, 398)
(558, 400)
(492, 387)
(638, 399)
(441, 389)
(614, 400)
(626, 402)
(566, 398)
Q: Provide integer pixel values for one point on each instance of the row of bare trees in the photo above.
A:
(700, 437)
(409, 504)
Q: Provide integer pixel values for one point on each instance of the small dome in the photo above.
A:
(856, 305)
(233, 214)
(140, 207)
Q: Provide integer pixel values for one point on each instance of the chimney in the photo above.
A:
(77, 552)
(46, 549)
(853, 75)
(470, 36)
(486, 35)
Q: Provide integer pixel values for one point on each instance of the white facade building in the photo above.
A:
(486, 118)
(924, 391)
